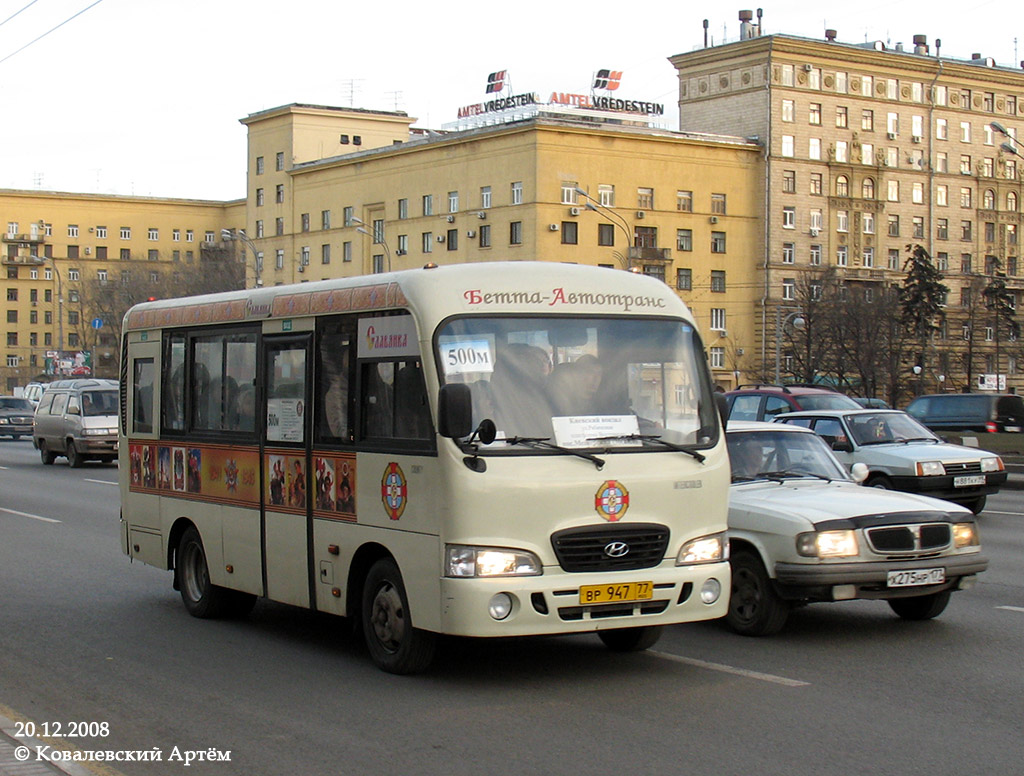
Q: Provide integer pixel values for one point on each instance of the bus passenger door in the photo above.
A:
(287, 510)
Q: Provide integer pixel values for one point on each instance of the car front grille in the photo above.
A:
(925, 538)
(591, 549)
(963, 467)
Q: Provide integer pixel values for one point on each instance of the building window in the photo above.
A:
(867, 119)
(279, 161)
(842, 186)
(684, 239)
(966, 230)
(789, 181)
(153, 254)
(893, 190)
(517, 193)
(304, 220)
(842, 256)
(279, 226)
(919, 227)
(325, 253)
(279, 194)
(645, 198)
(684, 279)
(126, 233)
(717, 319)
(917, 193)
(789, 218)
(788, 145)
(788, 111)
(570, 233)
(867, 223)
(304, 256)
(605, 234)
(485, 236)
(894, 226)
(942, 229)
(325, 219)
(259, 197)
(965, 197)
(842, 116)
(718, 242)
(788, 252)
(718, 204)
(815, 258)
(990, 231)
(988, 200)
(453, 202)
(569, 196)
(515, 233)
(814, 148)
(485, 197)
(427, 242)
(259, 165)
(842, 154)
(816, 183)
(842, 221)
(403, 209)
(346, 252)
(869, 257)
(684, 201)
(452, 239)
(894, 259)
(788, 289)
(428, 204)
(126, 254)
(718, 281)
(867, 188)
(606, 194)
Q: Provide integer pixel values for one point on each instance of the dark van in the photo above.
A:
(969, 412)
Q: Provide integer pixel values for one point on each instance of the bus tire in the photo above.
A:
(630, 639)
(202, 598)
(394, 644)
(921, 607)
(755, 609)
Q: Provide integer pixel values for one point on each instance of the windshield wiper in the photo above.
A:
(781, 475)
(650, 438)
(544, 442)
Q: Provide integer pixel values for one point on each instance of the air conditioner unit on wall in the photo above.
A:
(574, 211)
(808, 67)
(891, 135)
(814, 231)
(451, 219)
(713, 219)
(440, 238)
(639, 214)
(471, 233)
(553, 227)
(481, 215)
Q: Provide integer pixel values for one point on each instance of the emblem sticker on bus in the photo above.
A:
(612, 500)
(394, 490)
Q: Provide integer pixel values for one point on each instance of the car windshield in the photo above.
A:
(600, 383)
(768, 455)
(827, 401)
(7, 403)
(886, 427)
(99, 403)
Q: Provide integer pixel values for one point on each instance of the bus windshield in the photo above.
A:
(579, 382)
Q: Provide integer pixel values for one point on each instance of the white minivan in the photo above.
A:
(77, 419)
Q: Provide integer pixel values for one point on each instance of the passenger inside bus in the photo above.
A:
(519, 391)
(573, 386)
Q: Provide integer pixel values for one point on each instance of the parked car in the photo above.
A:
(801, 530)
(77, 419)
(15, 417)
(764, 402)
(902, 454)
(871, 402)
(983, 412)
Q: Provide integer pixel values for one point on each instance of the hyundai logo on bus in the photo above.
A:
(616, 549)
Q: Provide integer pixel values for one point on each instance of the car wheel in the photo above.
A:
(630, 639)
(75, 460)
(976, 505)
(201, 597)
(880, 481)
(921, 607)
(755, 609)
(394, 644)
(46, 456)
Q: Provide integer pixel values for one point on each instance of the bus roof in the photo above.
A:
(434, 292)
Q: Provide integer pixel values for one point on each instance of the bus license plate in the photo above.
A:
(916, 577)
(969, 481)
(610, 594)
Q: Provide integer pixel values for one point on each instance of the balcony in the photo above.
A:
(27, 239)
(650, 254)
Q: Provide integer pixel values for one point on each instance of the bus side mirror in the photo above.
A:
(455, 411)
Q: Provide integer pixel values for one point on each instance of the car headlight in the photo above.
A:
(827, 544)
(4, 420)
(703, 549)
(993, 464)
(465, 561)
(965, 535)
(930, 468)
(99, 431)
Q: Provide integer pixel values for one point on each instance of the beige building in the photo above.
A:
(336, 192)
(869, 149)
(56, 246)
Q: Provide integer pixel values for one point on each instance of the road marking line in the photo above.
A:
(26, 514)
(997, 512)
(690, 661)
(1012, 608)
(101, 482)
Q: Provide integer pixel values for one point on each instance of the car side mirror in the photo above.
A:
(842, 446)
(455, 411)
(859, 472)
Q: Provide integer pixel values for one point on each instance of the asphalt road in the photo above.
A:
(86, 636)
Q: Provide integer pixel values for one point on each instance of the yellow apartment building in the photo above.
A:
(57, 246)
(870, 148)
(335, 192)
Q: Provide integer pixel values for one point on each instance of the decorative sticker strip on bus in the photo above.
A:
(217, 473)
(156, 315)
(334, 484)
(394, 490)
(612, 501)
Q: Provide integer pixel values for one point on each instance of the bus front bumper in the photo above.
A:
(551, 603)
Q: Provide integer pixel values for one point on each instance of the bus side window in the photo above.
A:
(142, 400)
(334, 367)
(377, 383)
(173, 384)
(412, 414)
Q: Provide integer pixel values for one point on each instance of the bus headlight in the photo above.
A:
(466, 561)
(703, 549)
(965, 535)
(827, 544)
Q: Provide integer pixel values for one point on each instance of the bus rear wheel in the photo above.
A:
(394, 644)
(202, 598)
(630, 639)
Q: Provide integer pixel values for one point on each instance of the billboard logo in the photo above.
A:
(496, 82)
(608, 79)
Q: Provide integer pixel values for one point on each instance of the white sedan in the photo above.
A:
(802, 530)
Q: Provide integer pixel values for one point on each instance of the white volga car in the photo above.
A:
(801, 529)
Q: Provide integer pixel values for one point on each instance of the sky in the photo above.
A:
(144, 97)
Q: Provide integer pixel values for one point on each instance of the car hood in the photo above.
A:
(903, 453)
(804, 503)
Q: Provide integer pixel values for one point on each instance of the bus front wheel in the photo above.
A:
(394, 644)
(201, 597)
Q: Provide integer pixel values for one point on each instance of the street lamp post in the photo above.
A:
(613, 218)
(376, 238)
(780, 324)
(257, 260)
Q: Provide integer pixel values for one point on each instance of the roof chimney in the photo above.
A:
(830, 35)
(920, 44)
(747, 29)
(938, 46)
